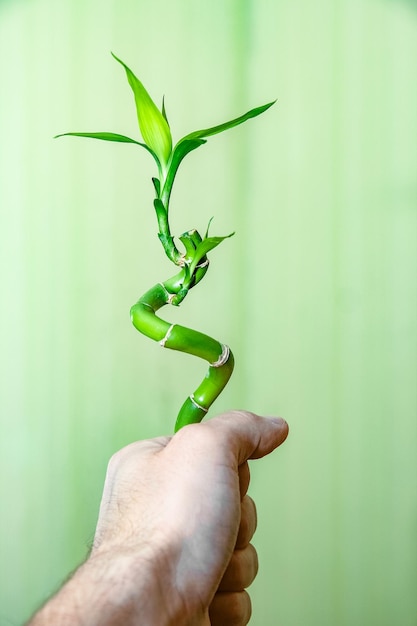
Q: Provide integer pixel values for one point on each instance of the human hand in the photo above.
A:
(181, 503)
(172, 544)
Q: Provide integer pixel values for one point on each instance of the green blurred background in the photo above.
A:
(316, 293)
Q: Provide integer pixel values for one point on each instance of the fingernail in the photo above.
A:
(279, 421)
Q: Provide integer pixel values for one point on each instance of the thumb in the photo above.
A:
(247, 435)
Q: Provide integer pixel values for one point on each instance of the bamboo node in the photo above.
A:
(169, 296)
(223, 358)
(165, 339)
(194, 401)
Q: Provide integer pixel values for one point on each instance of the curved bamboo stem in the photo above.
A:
(176, 337)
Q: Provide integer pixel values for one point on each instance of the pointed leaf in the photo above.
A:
(164, 112)
(104, 137)
(204, 248)
(221, 127)
(110, 137)
(194, 140)
(153, 126)
(208, 227)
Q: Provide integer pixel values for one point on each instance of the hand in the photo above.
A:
(188, 493)
(173, 536)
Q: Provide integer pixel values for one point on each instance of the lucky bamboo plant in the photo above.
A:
(192, 261)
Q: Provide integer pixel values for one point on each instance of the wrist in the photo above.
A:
(116, 586)
(128, 582)
(146, 590)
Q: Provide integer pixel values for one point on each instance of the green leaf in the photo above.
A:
(164, 112)
(111, 137)
(104, 137)
(190, 244)
(160, 209)
(198, 134)
(157, 185)
(153, 125)
(194, 140)
(208, 227)
(204, 248)
(180, 151)
(187, 275)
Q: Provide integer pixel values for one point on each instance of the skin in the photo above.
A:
(172, 544)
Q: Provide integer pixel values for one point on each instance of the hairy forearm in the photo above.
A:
(114, 588)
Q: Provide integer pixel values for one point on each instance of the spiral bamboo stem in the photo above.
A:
(176, 337)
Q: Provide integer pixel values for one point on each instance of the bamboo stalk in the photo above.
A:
(193, 263)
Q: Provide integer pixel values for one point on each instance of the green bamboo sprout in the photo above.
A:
(192, 263)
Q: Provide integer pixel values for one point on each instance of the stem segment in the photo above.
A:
(176, 337)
